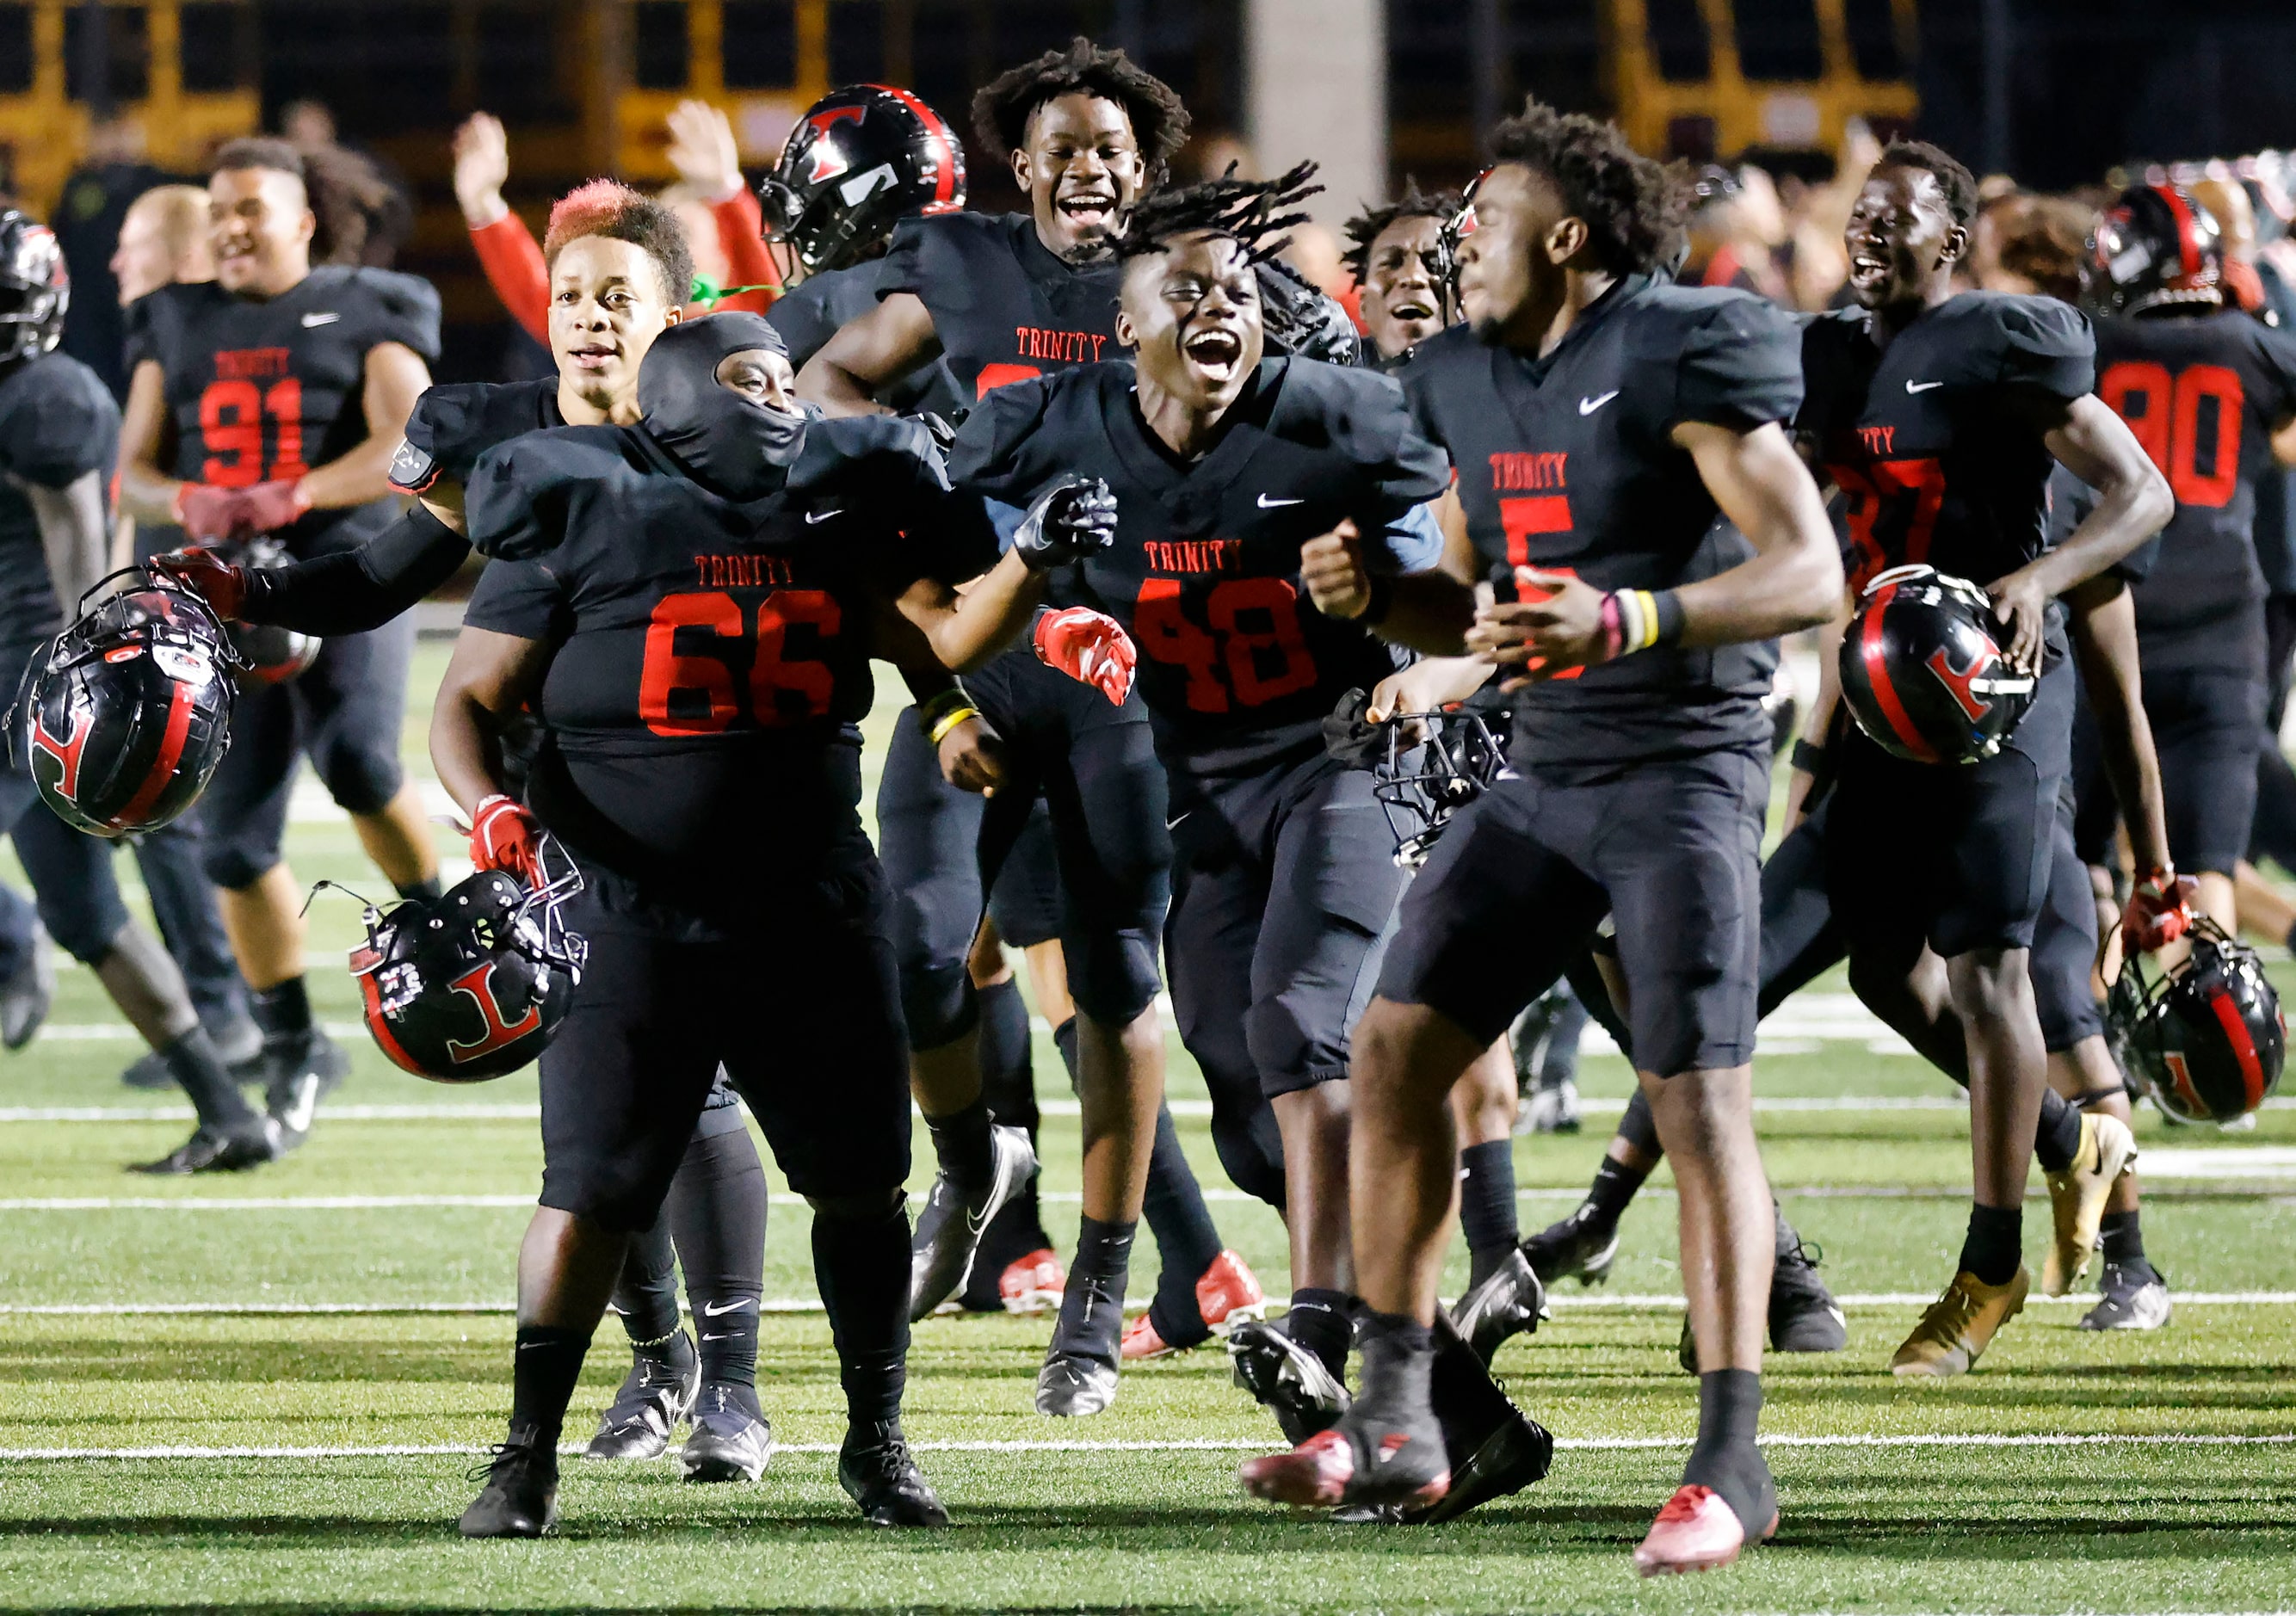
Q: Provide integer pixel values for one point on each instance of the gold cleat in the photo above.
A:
(1960, 1324)
(2077, 1198)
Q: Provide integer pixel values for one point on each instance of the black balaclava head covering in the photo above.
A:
(735, 448)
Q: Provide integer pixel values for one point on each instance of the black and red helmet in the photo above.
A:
(471, 985)
(125, 718)
(1923, 671)
(2154, 245)
(859, 160)
(2204, 1038)
(269, 654)
(1425, 765)
(35, 292)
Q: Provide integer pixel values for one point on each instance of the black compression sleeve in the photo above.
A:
(352, 591)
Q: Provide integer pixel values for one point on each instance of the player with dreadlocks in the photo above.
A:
(1225, 461)
(1003, 298)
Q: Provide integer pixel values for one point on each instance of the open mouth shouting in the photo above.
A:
(1216, 352)
(1089, 209)
(1411, 307)
(1869, 265)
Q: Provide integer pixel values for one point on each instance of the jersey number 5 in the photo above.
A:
(230, 424)
(1235, 642)
(2167, 421)
(781, 690)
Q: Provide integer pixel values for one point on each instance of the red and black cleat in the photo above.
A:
(1357, 1462)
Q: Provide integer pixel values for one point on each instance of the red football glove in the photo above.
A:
(503, 836)
(209, 576)
(270, 506)
(1088, 646)
(205, 511)
(2159, 911)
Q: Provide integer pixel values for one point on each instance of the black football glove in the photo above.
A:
(1352, 739)
(1067, 523)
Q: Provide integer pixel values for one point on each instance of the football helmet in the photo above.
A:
(35, 292)
(2204, 1038)
(859, 160)
(1429, 766)
(1923, 672)
(124, 719)
(471, 985)
(271, 654)
(2154, 245)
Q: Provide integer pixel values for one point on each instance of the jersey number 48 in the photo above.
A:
(1252, 653)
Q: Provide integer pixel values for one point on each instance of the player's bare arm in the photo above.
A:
(146, 492)
(2133, 503)
(396, 377)
(2103, 612)
(73, 535)
(967, 630)
(875, 351)
(488, 676)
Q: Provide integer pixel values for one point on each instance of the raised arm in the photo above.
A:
(892, 340)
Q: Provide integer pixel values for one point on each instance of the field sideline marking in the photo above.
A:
(1218, 1445)
(1653, 1301)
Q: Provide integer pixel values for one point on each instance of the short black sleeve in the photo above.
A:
(522, 598)
(1741, 365)
(910, 261)
(2047, 345)
(2275, 353)
(58, 424)
(990, 454)
(453, 424)
(401, 309)
(516, 500)
(152, 323)
(1374, 424)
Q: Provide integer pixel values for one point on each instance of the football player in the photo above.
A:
(269, 400)
(1598, 417)
(1002, 299)
(690, 604)
(1939, 415)
(59, 442)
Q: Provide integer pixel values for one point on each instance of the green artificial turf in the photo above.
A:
(1962, 1496)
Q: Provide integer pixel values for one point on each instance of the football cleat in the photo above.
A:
(2135, 1297)
(1960, 1324)
(878, 1474)
(1696, 1531)
(1804, 1317)
(299, 1071)
(1492, 1448)
(521, 1496)
(1509, 1303)
(1286, 1378)
(1550, 1110)
(1581, 1247)
(1032, 1284)
(222, 1151)
(728, 1443)
(2077, 1198)
(1227, 1294)
(949, 1229)
(656, 1394)
(1357, 1462)
(1072, 1386)
(25, 997)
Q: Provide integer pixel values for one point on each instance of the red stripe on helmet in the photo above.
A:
(171, 752)
(1873, 651)
(945, 170)
(379, 1024)
(2244, 1047)
(2188, 233)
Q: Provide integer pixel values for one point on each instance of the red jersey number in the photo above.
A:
(994, 376)
(1910, 492)
(2164, 412)
(1262, 658)
(232, 415)
(782, 690)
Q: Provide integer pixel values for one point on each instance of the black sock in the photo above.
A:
(428, 888)
(1996, 1245)
(861, 1268)
(962, 1145)
(193, 1061)
(1399, 1361)
(1725, 1457)
(645, 1296)
(281, 1010)
(1321, 1322)
(1612, 1191)
(1092, 1308)
(1638, 1126)
(2057, 1141)
(2122, 1240)
(1187, 1240)
(549, 1362)
(1064, 1039)
(717, 1214)
(1006, 1078)
(1486, 1209)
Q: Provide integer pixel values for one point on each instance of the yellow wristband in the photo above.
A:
(1648, 615)
(948, 721)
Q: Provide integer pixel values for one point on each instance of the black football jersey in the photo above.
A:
(811, 312)
(1933, 464)
(453, 423)
(263, 390)
(1005, 306)
(2203, 394)
(1237, 667)
(711, 659)
(57, 424)
(1566, 462)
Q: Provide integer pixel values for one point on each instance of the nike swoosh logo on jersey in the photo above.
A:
(814, 516)
(311, 320)
(1174, 824)
(1921, 387)
(710, 1310)
(1266, 504)
(1588, 407)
